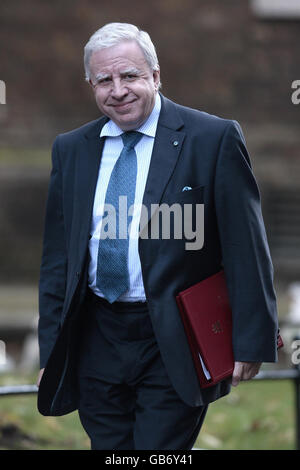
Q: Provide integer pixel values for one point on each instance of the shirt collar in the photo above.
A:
(110, 129)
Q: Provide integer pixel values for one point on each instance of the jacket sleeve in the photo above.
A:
(246, 257)
(53, 270)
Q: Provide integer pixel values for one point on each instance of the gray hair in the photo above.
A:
(112, 34)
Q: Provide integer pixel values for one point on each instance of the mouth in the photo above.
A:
(123, 106)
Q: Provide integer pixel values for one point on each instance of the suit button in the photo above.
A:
(78, 274)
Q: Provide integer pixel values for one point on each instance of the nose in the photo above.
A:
(119, 90)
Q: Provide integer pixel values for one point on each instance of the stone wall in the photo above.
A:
(214, 55)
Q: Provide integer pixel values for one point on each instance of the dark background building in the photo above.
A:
(231, 58)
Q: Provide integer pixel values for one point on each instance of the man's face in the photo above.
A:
(124, 85)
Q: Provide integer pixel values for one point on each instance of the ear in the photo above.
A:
(156, 78)
(92, 86)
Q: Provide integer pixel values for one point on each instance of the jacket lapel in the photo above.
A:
(87, 169)
(166, 150)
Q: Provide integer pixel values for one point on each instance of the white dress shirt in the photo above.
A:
(112, 148)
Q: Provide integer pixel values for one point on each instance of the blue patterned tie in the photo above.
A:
(112, 269)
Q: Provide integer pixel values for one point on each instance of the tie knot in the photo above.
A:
(130, 139)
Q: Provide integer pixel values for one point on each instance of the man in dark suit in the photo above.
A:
(112, 343)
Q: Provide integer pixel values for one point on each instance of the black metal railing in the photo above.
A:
(7, 390)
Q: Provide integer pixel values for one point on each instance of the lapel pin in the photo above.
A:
(175, 143)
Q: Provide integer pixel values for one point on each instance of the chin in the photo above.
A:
(128, 125)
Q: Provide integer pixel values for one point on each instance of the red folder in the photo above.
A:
(206, 314)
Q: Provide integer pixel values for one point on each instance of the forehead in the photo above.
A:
(112, 59)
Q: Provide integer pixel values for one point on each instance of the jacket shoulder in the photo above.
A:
(192, 117)
(200, 124)
(91, 128)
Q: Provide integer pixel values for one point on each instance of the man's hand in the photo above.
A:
(39, 377)
(244, 371)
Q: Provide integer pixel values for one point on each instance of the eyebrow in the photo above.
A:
(101, 76)
(131, 70)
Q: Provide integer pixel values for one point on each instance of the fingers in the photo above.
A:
(40, 377)
(244, 371)
(237, 373)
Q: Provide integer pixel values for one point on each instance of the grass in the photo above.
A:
(255, 416)
(23, 428)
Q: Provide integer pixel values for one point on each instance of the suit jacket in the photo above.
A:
(191, 148)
